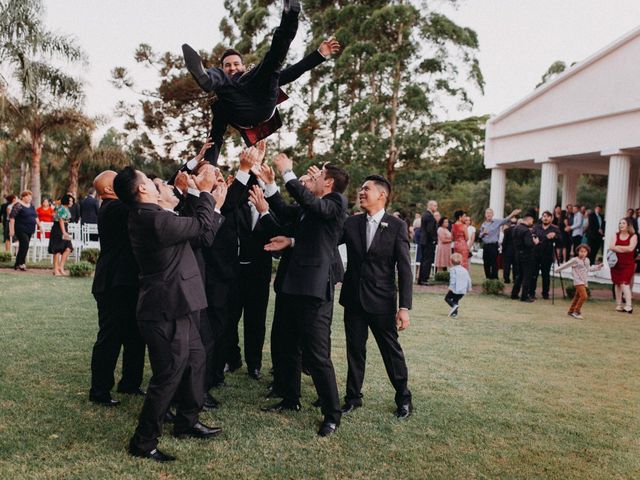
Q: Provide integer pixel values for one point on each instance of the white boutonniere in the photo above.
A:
(383, 225)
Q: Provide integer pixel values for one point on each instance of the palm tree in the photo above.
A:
(49, 94)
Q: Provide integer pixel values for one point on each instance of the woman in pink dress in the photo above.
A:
(460, 237)
(622, 273)
(443, 250)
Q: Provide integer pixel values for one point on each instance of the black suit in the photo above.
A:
(89, 210)
(307, 287)
(248, 99)
(171, 294)
(523, 246)
(255, 278)
(370, 299)
(594, 237)
(222, 274)
(115, 288)
(428, 241)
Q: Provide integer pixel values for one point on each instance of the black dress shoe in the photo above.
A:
(154, 454)
(424, 284)
(528, 300)
(327, 428)
(210, 403)
(193, 63)
(349, 407)
(232, 367)
(283, 406)
(219, 384)
(404, 411)
(137, 391)
(199, 430)
(255, 374)
(105, 401)
(169, 417)
(273, 393)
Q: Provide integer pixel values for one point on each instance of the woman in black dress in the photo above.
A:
(22, 224)
(60, 245)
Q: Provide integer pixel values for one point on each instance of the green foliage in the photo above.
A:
(5, 257)
(90, 255)
(441, 277)
(81, 269)
(571, 291)
(492, 286)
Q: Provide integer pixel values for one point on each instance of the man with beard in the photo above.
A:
(547, 234)
(524, 242)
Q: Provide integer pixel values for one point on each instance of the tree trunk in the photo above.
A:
(36, 156)
(393, 127)
(6, 177)
(74, 170)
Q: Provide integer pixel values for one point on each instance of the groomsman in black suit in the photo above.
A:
(171, 295)
(308, 282)
(377, 246)
(115, 288)
(595, 233)
(428, 240)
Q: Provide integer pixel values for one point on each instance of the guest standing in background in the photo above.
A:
(577, 228)
(428, 241)
(22, 224)
(5, 211)
(45, 211)
(508, 251)
(624, 245)
(595, 233)
(89, 208)
(60, 245)
(489, 234)
(443, 251)
(460, 237)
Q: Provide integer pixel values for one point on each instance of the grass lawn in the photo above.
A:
(505, 391)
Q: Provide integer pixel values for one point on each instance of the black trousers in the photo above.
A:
(252, 307)
(23, 248)
(428, 255)
(490, 260)
(177, 357)
(575, 242)
(508, 264)
(256, 101)
(223, 300)
(278, 333)
(523, 275)
(542, 266)
(595, 244)
(357, 323)
(117, 327)
(453, 298)
(308, 325)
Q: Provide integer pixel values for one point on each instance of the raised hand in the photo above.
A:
(220, 195)
(278, 244)
(206, 178)
(207, 145)
(182, 181)
(265, 173)
(329, 47)
(283, 163)
(256, 196)
(261, 147)
(314, 172)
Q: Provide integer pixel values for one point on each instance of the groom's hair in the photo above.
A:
(339, 175)
(126, 185)
(381, 182)
(228, 52)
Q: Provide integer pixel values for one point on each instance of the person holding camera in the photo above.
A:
(524, 241)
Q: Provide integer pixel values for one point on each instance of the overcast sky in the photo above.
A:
(519, 39)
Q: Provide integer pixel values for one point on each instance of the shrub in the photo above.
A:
(81, 269)
(90, 255)
(5, 257)
(571, 291)
(441, 277)
(492, 286)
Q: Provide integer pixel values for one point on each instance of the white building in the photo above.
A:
(587, 120)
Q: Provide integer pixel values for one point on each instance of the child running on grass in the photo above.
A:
(580, 267)
(459, 284)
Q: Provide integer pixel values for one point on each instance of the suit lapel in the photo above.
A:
(362, 227)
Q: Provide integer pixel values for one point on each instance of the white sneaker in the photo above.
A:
(577, 315)
(454, 310)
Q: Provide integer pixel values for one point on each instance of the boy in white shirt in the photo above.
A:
(459, 284)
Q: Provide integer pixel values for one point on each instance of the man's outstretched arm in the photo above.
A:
(327, 48)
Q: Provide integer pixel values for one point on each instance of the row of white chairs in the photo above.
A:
(82, 236)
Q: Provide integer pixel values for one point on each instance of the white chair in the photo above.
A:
(89, 229)
(42, 247)
(75, 233)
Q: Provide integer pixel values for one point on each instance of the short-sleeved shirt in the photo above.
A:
(61, 213)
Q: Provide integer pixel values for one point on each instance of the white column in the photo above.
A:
(634, 192)
(548, 186)
(617, 192)
(498, 189)
(569, 187)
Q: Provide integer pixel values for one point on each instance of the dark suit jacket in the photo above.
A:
(594, 226)
(370, 279)
(317, 228)
(116, 266)
(252, 242)
(170, 281)
(428, 229)
(89, 210)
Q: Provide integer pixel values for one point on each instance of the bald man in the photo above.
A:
(115, 288)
